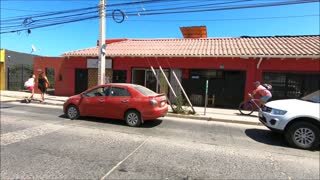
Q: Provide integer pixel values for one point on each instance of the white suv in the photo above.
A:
(298, 119)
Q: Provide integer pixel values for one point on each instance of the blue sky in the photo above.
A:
(54, 40)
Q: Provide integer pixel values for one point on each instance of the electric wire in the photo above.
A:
(41, 20)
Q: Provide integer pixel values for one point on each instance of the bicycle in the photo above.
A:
(247, 107)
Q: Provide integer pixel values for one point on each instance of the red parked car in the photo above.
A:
(130, 102)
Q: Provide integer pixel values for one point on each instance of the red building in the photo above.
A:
(290, 64)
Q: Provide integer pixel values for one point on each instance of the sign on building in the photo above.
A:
(93, 63)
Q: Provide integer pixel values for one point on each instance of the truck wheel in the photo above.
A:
(303, 135)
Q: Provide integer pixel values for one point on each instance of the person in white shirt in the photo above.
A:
(29, 84)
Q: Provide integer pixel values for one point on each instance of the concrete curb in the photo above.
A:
(200, 118)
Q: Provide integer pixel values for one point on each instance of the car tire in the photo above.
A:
(133, 118)
(303, 135)
(73, 112)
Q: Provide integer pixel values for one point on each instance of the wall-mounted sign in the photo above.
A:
(93, 63)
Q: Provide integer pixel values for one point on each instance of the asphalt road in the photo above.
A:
(38, 142)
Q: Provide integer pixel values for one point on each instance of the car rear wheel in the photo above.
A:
(133, 118)
(73, 112)
(303, 135)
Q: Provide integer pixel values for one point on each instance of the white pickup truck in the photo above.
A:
(298, 119)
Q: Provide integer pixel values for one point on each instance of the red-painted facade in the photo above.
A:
(65, 67)
(64, 72)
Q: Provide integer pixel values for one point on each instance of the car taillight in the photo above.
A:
(153, 102)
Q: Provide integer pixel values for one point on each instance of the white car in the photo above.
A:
(298, 119)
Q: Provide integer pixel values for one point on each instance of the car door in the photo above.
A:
(93, 102)
(117, 102)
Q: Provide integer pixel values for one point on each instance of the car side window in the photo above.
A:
(117, 91)
(97, 92)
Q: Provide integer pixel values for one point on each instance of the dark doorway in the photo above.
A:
(226, 88)
(81, 80)
(50, 75)
(138, 76)
(229, 91)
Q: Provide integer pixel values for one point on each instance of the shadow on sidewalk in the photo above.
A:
(146, 124)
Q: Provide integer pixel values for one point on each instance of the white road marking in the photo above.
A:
(17, 136)
(116, 166)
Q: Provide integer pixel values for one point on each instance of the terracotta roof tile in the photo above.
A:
(290, 46)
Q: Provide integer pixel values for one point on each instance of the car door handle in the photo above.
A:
(124, 101)
(101, 100)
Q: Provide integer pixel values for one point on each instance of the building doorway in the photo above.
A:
(225, 89)
(50, 75)
(81, 80)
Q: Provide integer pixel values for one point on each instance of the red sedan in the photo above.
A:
(130, 102)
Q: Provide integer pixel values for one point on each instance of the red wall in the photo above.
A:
(64, 72)
(66, 67)
(41, 63)
(249, 65)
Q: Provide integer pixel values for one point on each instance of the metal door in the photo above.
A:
(81, 80)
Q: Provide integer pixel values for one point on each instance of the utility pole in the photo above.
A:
(102, 45)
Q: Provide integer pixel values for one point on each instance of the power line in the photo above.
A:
(232, 19)
(165, 11)
(75, 15)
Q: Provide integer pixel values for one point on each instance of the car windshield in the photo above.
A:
(145, 91)
(313, 97)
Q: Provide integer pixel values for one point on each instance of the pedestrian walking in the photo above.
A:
(29, 84)
(43, 84)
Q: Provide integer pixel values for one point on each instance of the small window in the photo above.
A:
(119, 76)
(117, 91)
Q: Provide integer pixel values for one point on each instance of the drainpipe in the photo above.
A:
(258, 65)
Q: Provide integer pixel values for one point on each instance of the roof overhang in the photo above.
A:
(201, 56)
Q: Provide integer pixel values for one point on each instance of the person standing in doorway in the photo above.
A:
(43, 84)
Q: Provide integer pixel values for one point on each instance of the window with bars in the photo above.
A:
(291, 85)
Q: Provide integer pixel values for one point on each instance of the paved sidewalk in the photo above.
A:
(212, 114)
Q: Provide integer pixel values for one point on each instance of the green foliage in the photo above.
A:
(181, 106)
(178, 105)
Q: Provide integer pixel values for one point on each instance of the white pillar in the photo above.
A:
(102, 53)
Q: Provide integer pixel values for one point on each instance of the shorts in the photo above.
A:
(30, 88)
(265, 98)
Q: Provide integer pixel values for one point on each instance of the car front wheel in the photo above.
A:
(73, 112)
(133, 118)
(303, 135)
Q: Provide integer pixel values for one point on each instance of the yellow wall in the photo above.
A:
(2, 70)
